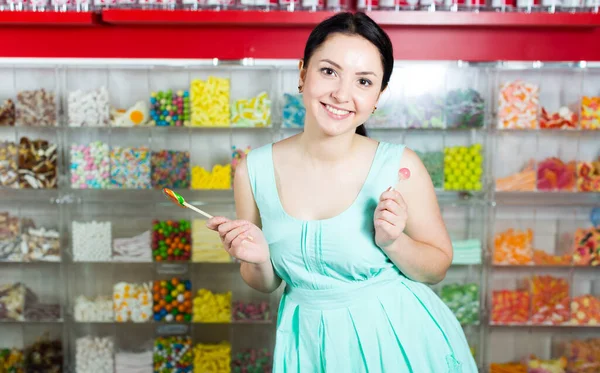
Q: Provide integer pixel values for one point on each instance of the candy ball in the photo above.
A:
(463, 168)
(167, 307)
(169, 108)
(173, 355)
(171, 240)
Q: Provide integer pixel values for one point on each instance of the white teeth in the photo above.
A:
(336, 111)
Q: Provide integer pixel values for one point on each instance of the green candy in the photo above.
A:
(168, 298)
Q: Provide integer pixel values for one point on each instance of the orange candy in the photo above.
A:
(549, 300)
(510, 307)
(513, 247)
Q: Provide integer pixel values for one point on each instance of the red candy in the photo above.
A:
(549, 300)
(554, 174)
(510, 307)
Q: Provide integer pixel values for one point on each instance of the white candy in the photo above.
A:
(91, 241)
(89, 109)
(132, 302)
(94, 355)
(97, 310)
(130, 362)
(134, 249)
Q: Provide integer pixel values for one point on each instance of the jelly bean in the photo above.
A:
(510, 307)
(7, 113)
(549, 300)
(586, 245)
(130, 168)
(167, 305)
(513, 247)
(36, 108)
(251, 360)
(434, 163)
(171, 240)
(44, 356)
(585, 310)
(254, 112)
(90, 166)
(564, 118)
(210, 102)
(588, 176)
(553, 174)
(425, 111)
(463, 168)
(518, 105)
(173, 355)
(212, 358)
(170, 169)
(464, 108)
(522, 181)
(169, 108)
(89, 109)
(463, 300)
(37, 164)
(11, 361)
(132, 302)
(219, 178)
(250, 312)
(211, 307)
(293, 111)
(590, 113)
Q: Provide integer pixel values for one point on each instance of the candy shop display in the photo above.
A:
(522, 181)
(36, 108)
(237, 154)
(45, 355)
(466, 252)
(254, 112)
(518, 105)
(510, 307)
(12, 302)
(168, 108)
(90, 165)
(585, 310)
(542, 258)
(536, 365)
(563, 119)
(463, 167)
(586, 247)
(252, 360)
(172, 300)
(94, 354)
(130, 168)
(171, 240)
(210, 102)
(508, 368)
(173, 355)
(7, 113)
(35, 310)
(11, 360)
(583, 356)
(91, 242)
(293, 111)
(464, 108)
(135, 249)
(89, 108)
(590, 113)
(206, 244)
(549, 300)
(137, 115)
(218, 178)
(99, 309)
(588, 176)
(9, 169)
(41, 244)
(250, 312)
(554, 175)
(10, 241)
(463, 300)
(170, 169)
(132, 302)
(212, 358)
(434, 163)
(133, 362)
(513, 247)
(37, 164)
(212, 307)
(424, 111)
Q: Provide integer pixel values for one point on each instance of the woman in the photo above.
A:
(324, 211)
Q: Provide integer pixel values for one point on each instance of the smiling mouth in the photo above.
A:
(336, 112)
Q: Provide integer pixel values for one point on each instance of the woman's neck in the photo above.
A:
(330, 149)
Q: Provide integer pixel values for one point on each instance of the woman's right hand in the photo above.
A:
(242, 239)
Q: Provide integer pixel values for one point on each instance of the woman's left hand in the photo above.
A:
(390, 218)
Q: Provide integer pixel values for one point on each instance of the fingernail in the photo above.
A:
(388, 189)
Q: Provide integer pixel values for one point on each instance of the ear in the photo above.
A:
(302, 76)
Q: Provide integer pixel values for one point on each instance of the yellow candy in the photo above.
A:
(210, 102)
(209, 307)
(212, 358)
(219, 178)
(255, 112)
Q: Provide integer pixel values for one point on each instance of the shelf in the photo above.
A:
(544, 326)
(57, 19)
(547, 198)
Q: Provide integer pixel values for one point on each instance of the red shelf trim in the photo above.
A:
(214, 18)
(29, 18)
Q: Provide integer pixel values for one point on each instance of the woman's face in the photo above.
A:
(341, 83)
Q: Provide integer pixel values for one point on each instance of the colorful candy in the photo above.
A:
(90, 165)
(585, 310)
(252, 360)
(513, 247)
(170, 169)
(207, 246)
(542, 258)
(89, 109)
(590, 113)
(212, 307)
(91, 242)
(254, 112)
(434, 163)
(7, 113)
(173, 355)
(518, 105)
(554, 174)
(37, 164)
(36, 109)
(583, 355)
(9, 170)
(463, 300)
(563, 119)
(510, 307)
(11, 360)
(172, 300)
(130, 168)
(170, 108)
(171, 240)
(293, 111)
(210, 102)
(549, 300)
(463, 167)
(586, 247)
(464, 109)
(250, 312)
(425, 111)
(219, 178)
(536, 365)
(588, 176)
(212, 358)
(132, 302)
(523, 181)
(45, 355)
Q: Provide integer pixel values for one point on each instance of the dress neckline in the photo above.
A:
(345, 211)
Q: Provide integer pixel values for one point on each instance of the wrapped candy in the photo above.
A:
(564, 118)
(518, 105)
(510, 307)
(513, 247)
(588, 176)
(590, 113)
(255, 112)
(7, 113)
(585, 310)
(553, 174)
(586, 247)
(549, 300)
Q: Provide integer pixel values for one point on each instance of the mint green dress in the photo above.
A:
(346, 307)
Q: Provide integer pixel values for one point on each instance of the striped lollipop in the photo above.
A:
(178, 199)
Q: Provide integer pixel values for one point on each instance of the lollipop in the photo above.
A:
(176, 198)
(403, 174)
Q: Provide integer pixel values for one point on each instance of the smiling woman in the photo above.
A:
(327, 212)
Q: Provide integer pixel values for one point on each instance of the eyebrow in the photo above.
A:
(339, 67)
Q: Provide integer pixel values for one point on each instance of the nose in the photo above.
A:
(342, 93)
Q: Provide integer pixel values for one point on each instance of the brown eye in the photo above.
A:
(327, 71)
(365, 82)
